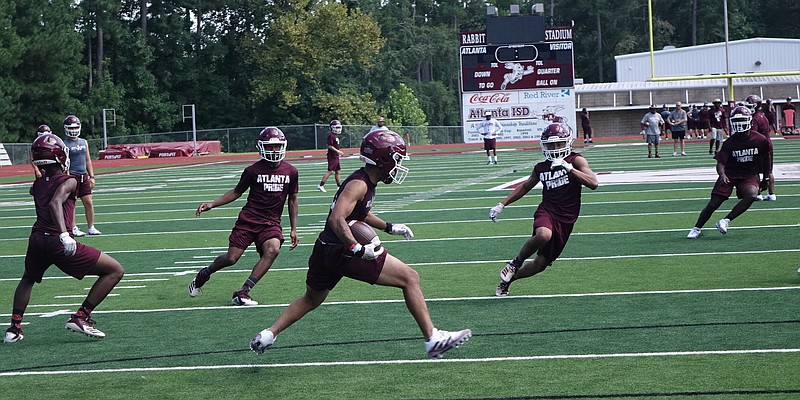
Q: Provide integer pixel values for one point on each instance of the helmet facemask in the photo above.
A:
(266, 148)
(554, 147)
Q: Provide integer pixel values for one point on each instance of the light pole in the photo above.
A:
(190, 108)
(113, 113)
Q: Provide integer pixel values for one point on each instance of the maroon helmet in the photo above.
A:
(741, 120)
(752, 102)
(556, 141)
(43, 129)
(336, 126)
(72, 126)
(267, 139)
(387, 151)
(50, 149)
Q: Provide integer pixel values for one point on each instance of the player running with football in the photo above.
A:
(337, 254)
(271, 182)
(563, 174)
(742, 157)
(51, 242)
(333, 156)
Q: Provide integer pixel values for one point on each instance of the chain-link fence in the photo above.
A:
(242, 140)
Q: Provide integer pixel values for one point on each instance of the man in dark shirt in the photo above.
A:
(718, 119)
(333, 155)
(271, 182)
(337, 254)
(563, 174)
(51, 242)
(761, 125)
(742, 157)
(586, 125)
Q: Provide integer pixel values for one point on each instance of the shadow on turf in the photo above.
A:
(611, 328)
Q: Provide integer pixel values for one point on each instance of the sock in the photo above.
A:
(202, 277)
(86, 309)
(16, 320)
(249, 283)
(516, 262)
(495, 158)
(322, 183)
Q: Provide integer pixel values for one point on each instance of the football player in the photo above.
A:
(39, 132)
(718, 120)
(51, 241)
(333, 156)
(271, 181)
(489, 128)
(761, 125)
(563, 174)
(337, 254)
(742, 157)
(81, 168)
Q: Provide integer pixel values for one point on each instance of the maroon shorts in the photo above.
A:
(84, 186)
(243, 234)
(328, 264)
(46, 250)
(333, 164)
(725, 189)
(489, 144)
(558, 241)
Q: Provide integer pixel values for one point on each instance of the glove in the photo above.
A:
(495, 211)
(559, 162)
(764, 184)
(399, 229)
(70, 245)
(368, 251)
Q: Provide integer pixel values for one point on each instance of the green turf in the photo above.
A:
(632, 309)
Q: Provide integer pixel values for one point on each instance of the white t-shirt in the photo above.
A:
(489, 128)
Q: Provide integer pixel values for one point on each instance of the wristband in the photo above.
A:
(388, 228)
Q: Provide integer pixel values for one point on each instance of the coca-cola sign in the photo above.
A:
(494, 98)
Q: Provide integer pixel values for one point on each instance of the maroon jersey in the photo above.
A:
(718, 118)
(585, 121)
(744, 155)
(43, 190)
(333, 141)
(269, 186)
(760, 123)
(561, 195)
(359, 212)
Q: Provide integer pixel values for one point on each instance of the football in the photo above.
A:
(362, 232)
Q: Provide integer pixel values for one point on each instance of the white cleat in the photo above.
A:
(502, 289)
(321, 189)
(760, 198)
(84, 326)
(262, 341)
(193, 289)
(13, 335)
(770, 197)
(694, 233)
(722, 225)
(508, 272)
(442, 341)
(77, 232)
(242, 298)
(94, 231)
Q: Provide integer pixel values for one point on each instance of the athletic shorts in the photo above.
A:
(45, 250)
(726, 189)
(678, 134)
(692, 124)
(84, 186)
(489, 144)
(587, 130)
(653, 139)
(333, 164)
(328, 264)
(558, 241)
(716, 134)
(243, 234)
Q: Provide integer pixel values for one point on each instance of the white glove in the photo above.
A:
(400, 229)
(495, 211)
(368, 251)
(559, 162)
(70, 245)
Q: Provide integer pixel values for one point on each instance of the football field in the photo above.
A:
(632, 309)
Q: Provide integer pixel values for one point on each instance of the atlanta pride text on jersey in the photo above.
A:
(273, 183)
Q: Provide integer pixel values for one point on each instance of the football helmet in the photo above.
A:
(50, 149)
(752, 102)
(741, 119)
(72, 126)
(387, 151)
(267, 139)
(552, 139)
(43, 129)
(336, 126)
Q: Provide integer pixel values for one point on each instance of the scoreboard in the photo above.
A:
(546, 65)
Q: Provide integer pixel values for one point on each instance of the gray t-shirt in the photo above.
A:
(77, 155)
(655, 121)
(678, 115)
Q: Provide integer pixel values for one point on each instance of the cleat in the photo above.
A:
(442, 341)
(13, 334)
(85, 326)
(241, 298)
(321, 189)
(722, 225)
(502, 289)
(770, 197)
(675, 154)
(694, 233)
(77, 232)
(94, 231)
(658, 156)
(760, 198)
(489, 162)
(683, 153)
(194, 290)
(508, 272)
(262, 341)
